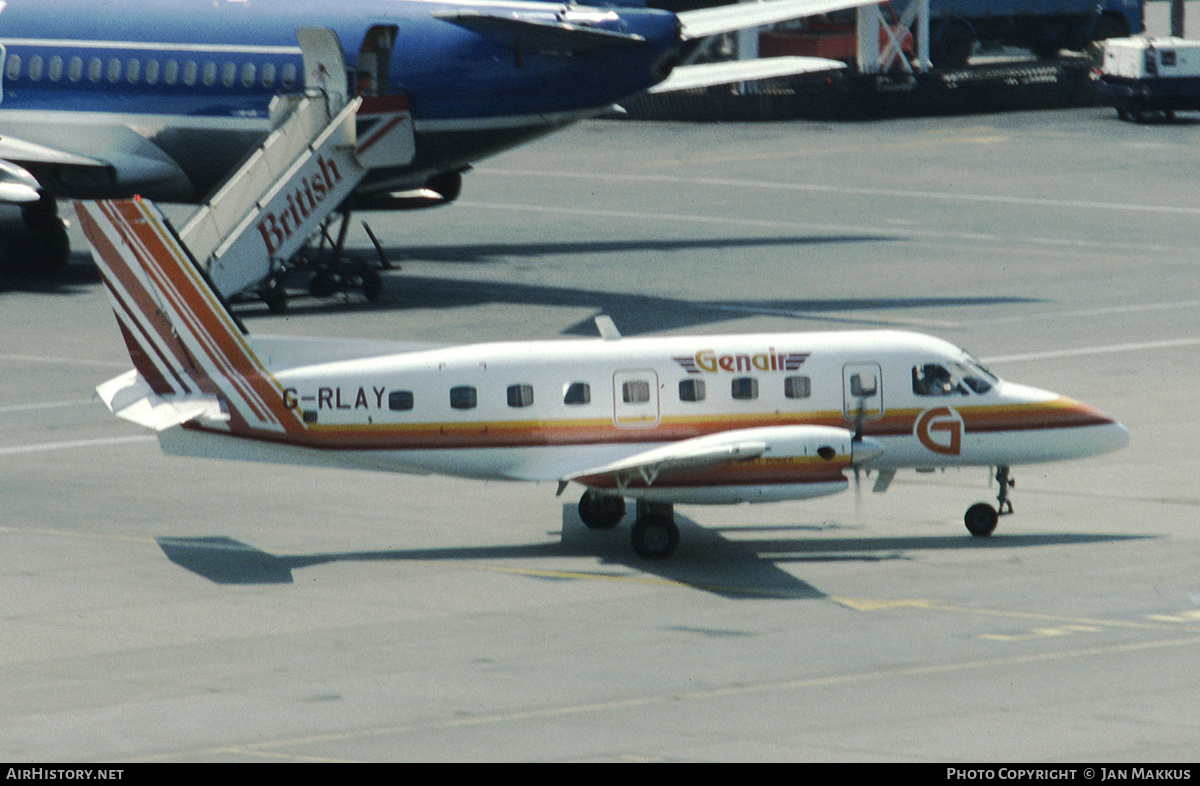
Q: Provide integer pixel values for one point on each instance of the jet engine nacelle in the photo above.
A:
(441, 189)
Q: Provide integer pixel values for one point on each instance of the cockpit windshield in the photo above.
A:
(951, 379)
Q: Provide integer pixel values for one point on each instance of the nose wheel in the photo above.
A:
(981, 518)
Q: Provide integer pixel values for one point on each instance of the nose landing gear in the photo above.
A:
(981, 518)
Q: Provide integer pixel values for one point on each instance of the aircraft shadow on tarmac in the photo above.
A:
(635, 314)
(741, 568)
(491, 252)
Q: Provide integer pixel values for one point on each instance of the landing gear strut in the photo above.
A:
(981, 518)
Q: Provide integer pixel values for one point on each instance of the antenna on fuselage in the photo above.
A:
(608, 328)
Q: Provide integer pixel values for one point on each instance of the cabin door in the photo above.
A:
(374, 59)
(635, 399)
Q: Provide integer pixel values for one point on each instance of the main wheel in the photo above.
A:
(601, 511)
(655, 536)
(981, 519)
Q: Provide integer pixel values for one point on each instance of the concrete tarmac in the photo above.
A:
(159, 609)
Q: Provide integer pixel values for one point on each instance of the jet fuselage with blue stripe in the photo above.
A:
(185, 86)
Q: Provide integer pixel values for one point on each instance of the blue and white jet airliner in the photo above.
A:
(164, 98)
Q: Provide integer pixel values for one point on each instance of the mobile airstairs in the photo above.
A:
(286, 191)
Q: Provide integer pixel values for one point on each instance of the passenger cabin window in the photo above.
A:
(463, 397)
(691, 390)
(577, 393)
(520, 395)
(635, 391)
(797, 387)
(745, 388)
(400, 400)
(14, 67)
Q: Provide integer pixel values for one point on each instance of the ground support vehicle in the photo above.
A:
(1144, 76)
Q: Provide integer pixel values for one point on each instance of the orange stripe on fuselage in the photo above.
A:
(1056, 414)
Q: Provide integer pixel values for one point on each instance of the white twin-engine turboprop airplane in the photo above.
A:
(706, 419)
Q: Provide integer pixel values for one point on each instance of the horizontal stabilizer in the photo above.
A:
(740, 16)
(536, 35)
(131, 398)
(696, 76)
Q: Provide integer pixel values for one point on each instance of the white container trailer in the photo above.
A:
(1141, 75)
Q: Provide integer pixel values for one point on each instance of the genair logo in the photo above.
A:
(276, 228)
(706, 361)
(940, 429)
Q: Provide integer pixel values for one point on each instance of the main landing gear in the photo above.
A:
(981, 518)
(45, 249)
(655, 534)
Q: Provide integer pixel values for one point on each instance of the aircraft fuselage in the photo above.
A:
(178, 91)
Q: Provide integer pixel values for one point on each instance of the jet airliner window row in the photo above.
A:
(248, 74)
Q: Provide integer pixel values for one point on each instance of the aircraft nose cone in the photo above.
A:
(1097, 432)
(1116, 436)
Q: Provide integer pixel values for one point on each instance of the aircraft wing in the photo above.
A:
(826, 445)
(689, 454)
(130, 397)
(694, 76)
(740, 16)
(122, 159)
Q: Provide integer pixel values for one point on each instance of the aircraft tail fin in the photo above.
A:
(184, 342)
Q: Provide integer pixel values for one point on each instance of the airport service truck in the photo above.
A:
(1143, 75)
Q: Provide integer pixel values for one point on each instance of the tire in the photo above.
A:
(372, 284)
(981, 519)
(601, 511)
(655, 536)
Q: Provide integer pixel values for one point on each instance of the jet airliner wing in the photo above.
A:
(705, 74)
(740, 16)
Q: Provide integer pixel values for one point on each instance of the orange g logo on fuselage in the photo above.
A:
(940, 429)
